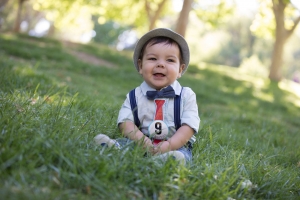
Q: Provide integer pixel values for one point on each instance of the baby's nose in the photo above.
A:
(160, 63)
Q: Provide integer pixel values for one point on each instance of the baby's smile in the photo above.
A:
(159, 75)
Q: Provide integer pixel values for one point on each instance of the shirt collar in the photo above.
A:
(175, 85)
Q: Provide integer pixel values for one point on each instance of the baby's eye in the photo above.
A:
(171, 60)
(151, 58)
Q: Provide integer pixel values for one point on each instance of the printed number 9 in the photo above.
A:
(158, 128)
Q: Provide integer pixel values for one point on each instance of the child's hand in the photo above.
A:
(147, 143)
(162, 147)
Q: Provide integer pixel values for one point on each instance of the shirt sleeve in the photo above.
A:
(190, 114)
(125, 112)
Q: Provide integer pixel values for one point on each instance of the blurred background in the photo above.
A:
(261, 37)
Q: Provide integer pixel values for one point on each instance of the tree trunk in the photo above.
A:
(51, 31)
(277, 60)
(18, 19)
(281, 36)
(3, 2)
(183, 18)
(153, 16)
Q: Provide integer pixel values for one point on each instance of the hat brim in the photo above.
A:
(163, 32)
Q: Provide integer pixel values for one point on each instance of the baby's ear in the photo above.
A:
(180, 70)
(140, 65)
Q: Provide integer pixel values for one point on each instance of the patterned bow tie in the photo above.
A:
(167, 92)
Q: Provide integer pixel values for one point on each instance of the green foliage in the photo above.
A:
(264, 24)
(73, 14)
(122, 9)
(132, 13)
(214, 14)
(108, 32)
(238, 44)
(52, 106)
(57, 10)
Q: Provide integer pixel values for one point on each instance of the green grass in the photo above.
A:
(52, 104)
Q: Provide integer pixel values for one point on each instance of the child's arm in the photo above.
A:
(179, 139)
(130, 130)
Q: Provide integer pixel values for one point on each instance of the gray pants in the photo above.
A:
(185, 150)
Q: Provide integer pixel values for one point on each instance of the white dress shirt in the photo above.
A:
(146, 109)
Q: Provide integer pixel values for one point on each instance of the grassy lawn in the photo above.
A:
(53, 102)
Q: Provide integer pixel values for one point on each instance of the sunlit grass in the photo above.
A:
(291, 89)
(51, 107)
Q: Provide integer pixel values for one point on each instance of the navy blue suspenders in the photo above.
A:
(177, 119)
(134, 109)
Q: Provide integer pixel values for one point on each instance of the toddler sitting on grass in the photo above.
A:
(160, 114)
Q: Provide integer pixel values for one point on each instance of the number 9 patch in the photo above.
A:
(158, 129)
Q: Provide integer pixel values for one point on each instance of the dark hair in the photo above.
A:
(158, 40)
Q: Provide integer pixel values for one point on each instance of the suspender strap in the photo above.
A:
(134, 108)
(177, 120)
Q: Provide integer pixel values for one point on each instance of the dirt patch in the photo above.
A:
(87, 58)
(92, 59)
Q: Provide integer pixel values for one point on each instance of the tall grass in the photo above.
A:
(52, 104)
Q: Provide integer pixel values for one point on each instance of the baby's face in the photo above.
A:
(160, 65)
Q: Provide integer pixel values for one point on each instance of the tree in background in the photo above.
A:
(282, 34)
(142, 15)
(108, 32)
(215, 14)
(154, 14)
(183, 18)
(280, 25)
(2, 3)
(19, 13)
(134, 13)
(236, 43)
